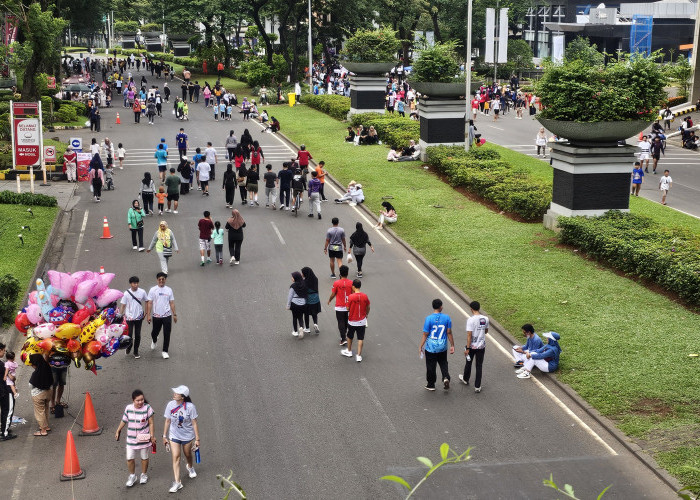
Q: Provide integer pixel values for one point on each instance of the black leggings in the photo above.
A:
(135, 333)
(230, 192)
(478, 356)
(358, 259)
(342, 318)
(234, 248)
(314, 317)
(244, 193)
(297, 315)
(284, 197)
(97, 187)
(166, 324)
(147, 202)
(134, 232)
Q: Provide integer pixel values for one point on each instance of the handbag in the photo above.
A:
(350, 258)
(143, 438)
(139, 223)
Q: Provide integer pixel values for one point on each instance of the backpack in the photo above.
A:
(255, 155)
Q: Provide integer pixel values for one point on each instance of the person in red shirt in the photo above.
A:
(358, 310)
(303, 156)
(220, 69)
(70, 164)
(206, 226)
(341, 290)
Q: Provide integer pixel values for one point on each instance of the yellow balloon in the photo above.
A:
(88, 332)
(67, 331)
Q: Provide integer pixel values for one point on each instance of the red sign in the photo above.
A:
(83, 169)
(52, 82)
(25, 108)
(27, 141)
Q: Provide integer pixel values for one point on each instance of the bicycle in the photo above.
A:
(297, 204)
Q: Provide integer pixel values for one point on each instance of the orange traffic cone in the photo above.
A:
(71, 464)
(102, 269)
(105, 231)
(90, 427)
(118, 120)
(641, 135)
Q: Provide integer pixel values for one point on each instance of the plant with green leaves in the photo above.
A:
(437, 64)
(581, 49)
(372, 46)
(448, 456)
(228, 484)
(691, 491)
(680, 74)
(628, 88)
(568, 489)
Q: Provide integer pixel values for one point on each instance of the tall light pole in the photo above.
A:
(311, 53)
(468, 68)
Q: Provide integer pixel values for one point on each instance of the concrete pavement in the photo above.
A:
(292, 418)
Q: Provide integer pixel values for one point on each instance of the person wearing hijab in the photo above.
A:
(229, 185)
(313, 302)
(546, 358)
(387, 215)
(96, 176)
(164, 242)
(134, 219)
(296, 302)
(246, 143)
(235, 225)
(358, 245)
(40, 383)
(148, 189)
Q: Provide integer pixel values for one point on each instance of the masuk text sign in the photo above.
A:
(27, 141)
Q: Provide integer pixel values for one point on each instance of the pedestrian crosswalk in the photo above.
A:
(143, 157)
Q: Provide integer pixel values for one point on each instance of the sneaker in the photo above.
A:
(524, 374)
(307, 330)
(343, 342)
(165, 355)
(201, 263)
(208, 260)
(257, 204)
(167, 210)
(358, 358)
(144, 478)
(251, 203)
(295, 333)
(518, 364)
(359, 275)
(346, 353)
(160, 212)
(191, 472)
(267, 205)
(446, 382)
(131, 481)
(175, 487)
(134, 248)
(333, 276)
(175, 211)
(319, 216)
(337, 201)
(301, 333)
(232, 261)
(311, 215)
(141, 249)
(316, 329)
(274, 207)
(137, 356)
(520, 370)
(428, 388)
(153, 345)
(477, 389)
(461, 377)
(199, 188)
(243, 203)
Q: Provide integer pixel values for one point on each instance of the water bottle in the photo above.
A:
(153, 448)
(466, 352)
(197, 458)
(167, 447)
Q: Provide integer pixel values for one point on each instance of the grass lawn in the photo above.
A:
(625, 347)
(17, 259)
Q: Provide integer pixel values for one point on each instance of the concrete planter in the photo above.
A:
(439, 89)
(594, 134)
(360, 68)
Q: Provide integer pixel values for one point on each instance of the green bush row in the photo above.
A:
(393, 130)
(639, 246)
(484, 173)
(39, 200)
(336, 106)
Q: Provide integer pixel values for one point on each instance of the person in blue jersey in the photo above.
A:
(533, 343)
(437, 330)
(546, 358)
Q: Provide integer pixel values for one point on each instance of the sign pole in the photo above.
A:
(14, 160)
(41, 145)
(31, 179)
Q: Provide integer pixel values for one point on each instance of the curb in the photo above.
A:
(589, 410)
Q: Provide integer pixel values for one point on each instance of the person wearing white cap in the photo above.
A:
(179, 431)
(545, 358)
(354, 194)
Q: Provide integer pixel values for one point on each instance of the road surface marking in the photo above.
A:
(80, 242)
(549, 393)
(17, 491)
(497, 128)
(279, 235)
(378, 404)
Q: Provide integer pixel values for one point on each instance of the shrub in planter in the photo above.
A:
(372, 46)
(436, 64)
(66, 114)
(40, 200)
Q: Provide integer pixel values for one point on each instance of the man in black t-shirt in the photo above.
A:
(270, 184)
(285, 182)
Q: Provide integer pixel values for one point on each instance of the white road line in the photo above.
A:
(17, 491)
(378, 404)
(549, 393)
(80, 242)
(279, 235)
(497, 128)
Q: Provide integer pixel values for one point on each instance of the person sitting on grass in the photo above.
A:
(533, 343)
(410, 153)
(393, 155)
(546, 358)
(273, 126)
(364, 134)
(372, 136)
(351, 135)
(354, 194)
(387, 215)
(263, 118)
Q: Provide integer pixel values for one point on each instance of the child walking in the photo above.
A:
(121, 154)
(217, 236)
(10, 374)
(161, 195)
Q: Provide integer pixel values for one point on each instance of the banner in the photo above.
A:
(558, 49)
(83, 166)
(503, 36)
(490, 28)
(27, 141)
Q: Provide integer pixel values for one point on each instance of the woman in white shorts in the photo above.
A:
(140, 435)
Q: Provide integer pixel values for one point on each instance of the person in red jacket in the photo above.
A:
(220, 69)
(341, 290)
(303, 157)
(358, 310)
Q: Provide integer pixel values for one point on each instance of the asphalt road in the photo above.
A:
(292, 418)
(684, 165)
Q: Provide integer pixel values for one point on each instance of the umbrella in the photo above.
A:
(77, 87)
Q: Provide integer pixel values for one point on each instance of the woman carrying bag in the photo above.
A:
(135, 218)
(359, 240)
(164, 243)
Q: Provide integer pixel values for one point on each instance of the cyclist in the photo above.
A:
(298, 187)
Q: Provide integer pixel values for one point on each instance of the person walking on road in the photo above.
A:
(358, 310)
(231, 143)
(285, 185)
(313, 302)
(271, 184)
(531, 345)
(140, 435)
(252, 185)
(341, 290)
(203, 171)
(160, 307)
(7, 402)
(133, 307)
(229, 185)
(296, 302)
(541, 143)
(437, 330)
(546, 358)
(477, 328)
(665, 183)
(164, 242)
(657, 149)
(134, 219)
(96, 176)
(206, 226)
(172, 183)
(41, 382)
(637, 178)
(335, 245)
(210, 155)
(181, 142)
(234, 226)
(217, 236)
(314, 195)
(321, 175)
(359, 240)
(148, 190)
(179, 432)
(161, 156)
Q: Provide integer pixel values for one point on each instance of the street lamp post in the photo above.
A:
(311, 53)
(468, 70)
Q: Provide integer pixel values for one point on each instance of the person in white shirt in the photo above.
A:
(644, 152)
(160, 307)
(210, 155)
(132, 307)
(203, 168)
(477, 328)
(665, 183)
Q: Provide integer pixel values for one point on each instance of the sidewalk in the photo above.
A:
(61, 190)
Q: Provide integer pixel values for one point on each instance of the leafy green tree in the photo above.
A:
(581, 49)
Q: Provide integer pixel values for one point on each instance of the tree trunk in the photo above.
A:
(436, 27)
(257, 6)
(29, 90)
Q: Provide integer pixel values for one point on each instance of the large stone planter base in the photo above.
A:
(367, 94)
(441, 123)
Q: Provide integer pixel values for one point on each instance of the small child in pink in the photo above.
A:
(10, 374)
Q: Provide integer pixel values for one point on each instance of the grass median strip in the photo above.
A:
(625, 347)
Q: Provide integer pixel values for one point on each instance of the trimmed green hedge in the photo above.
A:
(484, 173)
(337, 106)
(639, 246)
(41, 200)
(393, 130)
